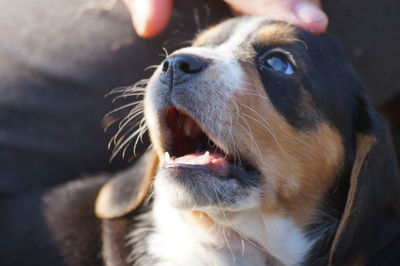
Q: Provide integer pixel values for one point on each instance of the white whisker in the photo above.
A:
(266, 125)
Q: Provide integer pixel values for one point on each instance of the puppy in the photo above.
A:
(265, 152)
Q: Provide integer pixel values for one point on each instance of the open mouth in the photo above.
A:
(191, 148)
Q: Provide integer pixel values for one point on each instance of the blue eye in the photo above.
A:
(280, 64)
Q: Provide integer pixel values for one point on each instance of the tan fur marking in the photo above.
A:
(276, 34)
(364, 145)
(206, 36)
(297, 166)
(106, 209)
(200, 218)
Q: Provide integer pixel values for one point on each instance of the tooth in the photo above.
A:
(167, 158)
(205, 158)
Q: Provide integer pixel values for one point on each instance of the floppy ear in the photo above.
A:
(124, 193)
(371, 218)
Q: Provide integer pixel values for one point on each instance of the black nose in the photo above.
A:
(182, 66)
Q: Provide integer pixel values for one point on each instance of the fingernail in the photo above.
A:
(140, 15)
(308, 12)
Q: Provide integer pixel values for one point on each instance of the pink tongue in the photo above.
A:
(216, 162)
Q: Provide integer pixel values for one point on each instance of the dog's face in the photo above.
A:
(266, 127)
(250, 116)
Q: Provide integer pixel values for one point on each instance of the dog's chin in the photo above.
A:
(193, 188)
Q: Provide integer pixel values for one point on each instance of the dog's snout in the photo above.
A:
(183, 65)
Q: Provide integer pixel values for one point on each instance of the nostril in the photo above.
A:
(185, 67)
(190, 65)
(165, 66)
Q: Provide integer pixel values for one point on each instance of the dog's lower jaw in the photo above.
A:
(246, 238)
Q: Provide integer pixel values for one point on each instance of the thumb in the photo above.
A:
(150, 17)
(309, 16)
(305, 14)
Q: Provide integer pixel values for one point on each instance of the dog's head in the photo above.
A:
(259, 115)
(243, 119)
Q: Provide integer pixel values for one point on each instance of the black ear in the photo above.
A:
(127, 191)
(371, 218)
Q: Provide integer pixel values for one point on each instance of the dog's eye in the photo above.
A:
(279, 64)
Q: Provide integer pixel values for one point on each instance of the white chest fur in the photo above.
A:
(177, 241)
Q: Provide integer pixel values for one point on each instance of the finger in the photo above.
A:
(310, 17)
(304, 14)
(150, 17)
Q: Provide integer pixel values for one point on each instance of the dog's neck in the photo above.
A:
(243, 238)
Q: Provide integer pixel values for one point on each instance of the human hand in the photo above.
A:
(150, 17)
(306, 14)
